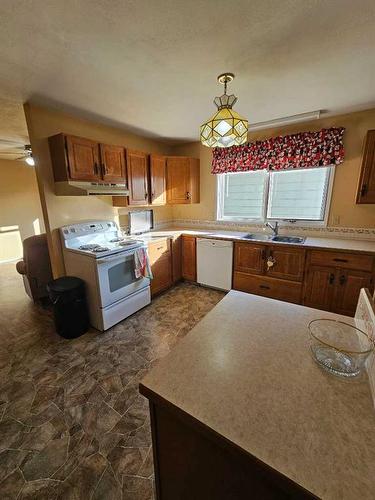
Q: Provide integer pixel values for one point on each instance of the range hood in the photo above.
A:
(81, 188)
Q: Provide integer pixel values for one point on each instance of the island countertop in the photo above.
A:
(245, 372)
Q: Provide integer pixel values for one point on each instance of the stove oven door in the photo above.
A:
(117, 279)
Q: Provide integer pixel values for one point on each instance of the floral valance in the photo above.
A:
(302, 150)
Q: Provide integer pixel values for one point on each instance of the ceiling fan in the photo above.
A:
(18, 149)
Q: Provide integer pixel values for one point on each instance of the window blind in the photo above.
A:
(243, 194)
(298, 194)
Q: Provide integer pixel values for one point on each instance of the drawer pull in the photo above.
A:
(331, 278)
(265, 287)
(340, 260)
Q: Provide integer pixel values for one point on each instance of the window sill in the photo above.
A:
(282, 223)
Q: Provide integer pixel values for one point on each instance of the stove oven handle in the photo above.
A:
(112, 259)
(118, 256)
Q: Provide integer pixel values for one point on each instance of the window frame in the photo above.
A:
(298, 222)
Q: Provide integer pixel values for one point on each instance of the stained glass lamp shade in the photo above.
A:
(226, 127)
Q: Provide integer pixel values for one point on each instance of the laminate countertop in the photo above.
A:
(341, 244)
(245, 371)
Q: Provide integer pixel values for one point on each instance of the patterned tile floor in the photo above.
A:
(72, 423)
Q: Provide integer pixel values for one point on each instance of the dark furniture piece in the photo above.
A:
(35, 267)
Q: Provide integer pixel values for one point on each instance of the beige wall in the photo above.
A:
(61, 210)
(20, 210)
(344, 212)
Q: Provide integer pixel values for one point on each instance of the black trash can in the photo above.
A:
(68, 297)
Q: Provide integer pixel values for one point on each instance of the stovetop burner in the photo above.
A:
(89, 246)
(125, 243)
(94, 247)
(100, 249)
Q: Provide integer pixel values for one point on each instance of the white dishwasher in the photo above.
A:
(214, 263)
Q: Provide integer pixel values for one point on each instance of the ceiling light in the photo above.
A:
(30, 161)
(286, 120)
(226, 127)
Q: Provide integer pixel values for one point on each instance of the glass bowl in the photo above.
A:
(338, 347)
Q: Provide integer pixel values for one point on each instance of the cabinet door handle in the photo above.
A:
(364, 190)
(146, 195)
(188, 195)
(331, 278)
(342, 279)
(265, 287)
(340, 260)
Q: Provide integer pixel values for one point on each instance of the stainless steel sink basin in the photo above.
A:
(268, 237)
(258, 237)
(288, 239)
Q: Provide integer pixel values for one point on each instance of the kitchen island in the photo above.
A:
(239, 409)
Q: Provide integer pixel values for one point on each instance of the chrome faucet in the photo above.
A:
(274, 229)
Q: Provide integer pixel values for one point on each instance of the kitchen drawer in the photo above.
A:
(344, 260)
(289, 291)
(157, 249)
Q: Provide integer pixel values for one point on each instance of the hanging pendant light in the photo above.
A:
(226, 127)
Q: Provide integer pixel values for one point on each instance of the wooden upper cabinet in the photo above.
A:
(83, 158)
(178, 180)
(288, 263)
(182, 180)
(366, 185)
(249, 258)
(189, 258)
(137, 169)
(158, 180)
(112, 163)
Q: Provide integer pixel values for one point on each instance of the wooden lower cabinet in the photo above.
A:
(319, 287)
(288, 262)
(336, 290)
(268, 287)
(176, 259)
(193, 462)
(323, 279)
(281, 281)
(249, 257)
(160, 256)
(189, 258)
(348, 286)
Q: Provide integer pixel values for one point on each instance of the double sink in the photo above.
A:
(259, 237)
(268, 237)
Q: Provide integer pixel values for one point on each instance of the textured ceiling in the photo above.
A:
(151, 66)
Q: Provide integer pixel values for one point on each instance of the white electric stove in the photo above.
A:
(97, 253)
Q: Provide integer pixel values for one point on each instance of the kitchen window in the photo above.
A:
(283, 195)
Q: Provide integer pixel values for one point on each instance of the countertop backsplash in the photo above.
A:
(317, 232)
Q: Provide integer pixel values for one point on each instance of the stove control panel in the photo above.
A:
(86, 228)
